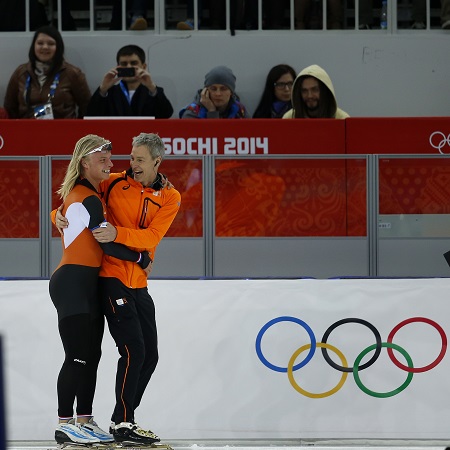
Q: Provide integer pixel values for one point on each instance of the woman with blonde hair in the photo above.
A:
(73, 289)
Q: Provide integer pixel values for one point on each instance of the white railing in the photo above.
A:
(163, 15)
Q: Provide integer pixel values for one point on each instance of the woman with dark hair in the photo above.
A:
(276, 98)
(47, 87)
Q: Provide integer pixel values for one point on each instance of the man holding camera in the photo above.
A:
(129, 90)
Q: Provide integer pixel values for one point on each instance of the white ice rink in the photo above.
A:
(280, 444)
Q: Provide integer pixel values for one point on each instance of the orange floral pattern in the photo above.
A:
(257, 197)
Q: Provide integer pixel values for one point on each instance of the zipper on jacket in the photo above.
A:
(144, 211)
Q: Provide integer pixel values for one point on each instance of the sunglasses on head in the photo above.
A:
(106, 147)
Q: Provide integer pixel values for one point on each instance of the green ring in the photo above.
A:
(383, 394)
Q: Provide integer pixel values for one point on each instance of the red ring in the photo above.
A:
(418, 369)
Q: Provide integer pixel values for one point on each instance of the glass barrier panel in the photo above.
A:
(414, 186)
(19, 199)
(356, 177)
(290, 197)
(185, 175)
(414, 197)
(59, 168)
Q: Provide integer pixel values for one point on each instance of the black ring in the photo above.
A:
(352, 320)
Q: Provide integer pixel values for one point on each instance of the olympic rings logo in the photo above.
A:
(292, 366)
(443, 140)
(2, 142)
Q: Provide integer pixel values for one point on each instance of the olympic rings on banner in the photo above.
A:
(390, 346)
(418, 369)
(356, 367)
(285, 319)
(323, 394)
(354, 320)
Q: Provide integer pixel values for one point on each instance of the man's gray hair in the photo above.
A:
(153, 142)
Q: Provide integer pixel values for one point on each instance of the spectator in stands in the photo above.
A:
(418, 14)
(274, 12)
(67, 21)
(306, 18)
(217, 99)
(313, 96)
(445, 14)
(47, 87)
(365, 14)
(138, 15)
(243, 14)
(276, 98)
(135, 95)
(217, 15)
(188, 24)
(12, 17)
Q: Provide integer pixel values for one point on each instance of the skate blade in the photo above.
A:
(134, 446)
(74, 446)
(113, 446)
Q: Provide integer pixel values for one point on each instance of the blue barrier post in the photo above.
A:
(2, 402)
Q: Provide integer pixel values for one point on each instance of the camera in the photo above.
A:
(124, 72)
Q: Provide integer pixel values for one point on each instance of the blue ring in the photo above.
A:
(285, 319)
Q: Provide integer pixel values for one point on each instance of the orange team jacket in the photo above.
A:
(142, 217)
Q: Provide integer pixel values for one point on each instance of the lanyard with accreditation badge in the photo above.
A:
(125, 91)
(44, 111)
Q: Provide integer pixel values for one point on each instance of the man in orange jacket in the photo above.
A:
(139, 212)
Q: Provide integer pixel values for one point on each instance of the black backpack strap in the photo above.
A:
(106, 194)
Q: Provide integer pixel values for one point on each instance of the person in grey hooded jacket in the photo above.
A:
(313, 96)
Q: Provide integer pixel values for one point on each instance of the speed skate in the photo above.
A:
(113, 446)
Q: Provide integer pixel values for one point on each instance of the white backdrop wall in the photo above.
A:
(211, 383)
(374, 73)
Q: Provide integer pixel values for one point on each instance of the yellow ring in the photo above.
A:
(310, 394)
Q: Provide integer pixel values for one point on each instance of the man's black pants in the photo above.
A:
(131, 320)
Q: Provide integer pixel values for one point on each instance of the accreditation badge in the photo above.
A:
(43, 112)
